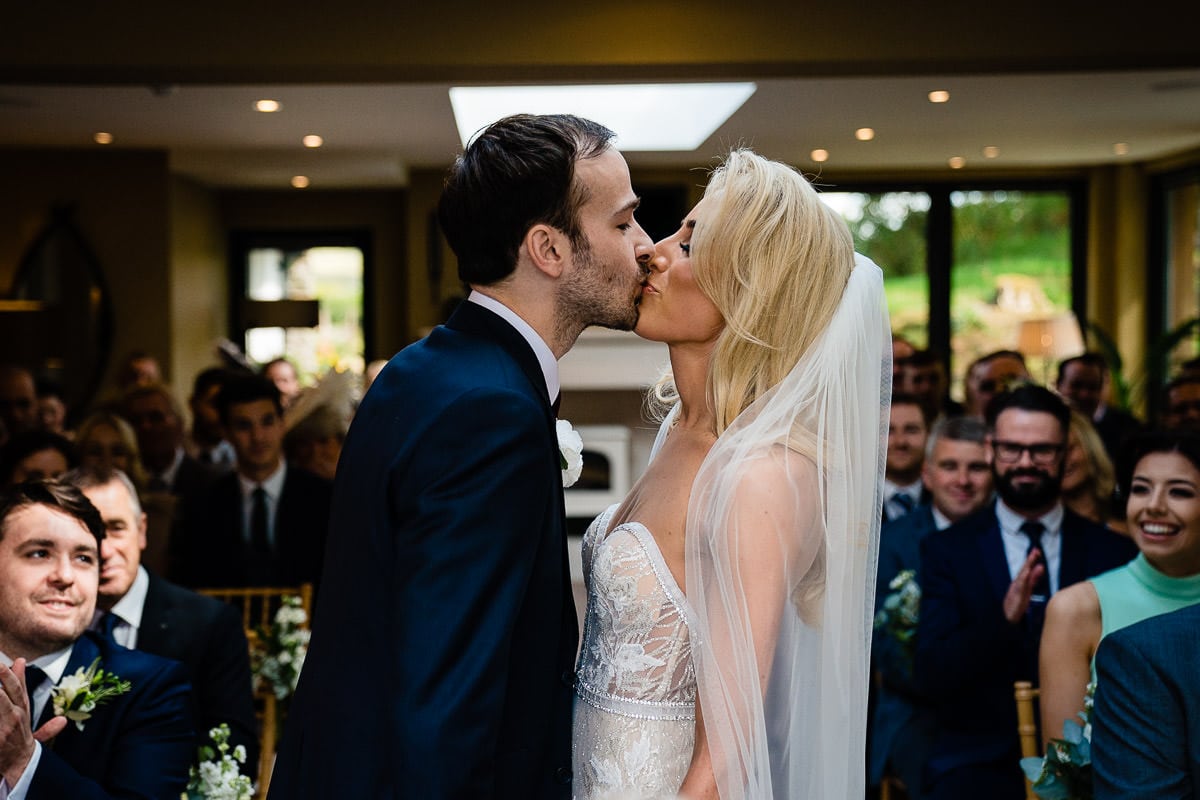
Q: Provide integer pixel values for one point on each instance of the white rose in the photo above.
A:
(570, 447)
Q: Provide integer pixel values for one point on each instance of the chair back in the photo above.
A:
(1027, 729)
(267, 712)
(258, 604)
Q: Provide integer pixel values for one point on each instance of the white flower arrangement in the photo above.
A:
(285, 644)
(570, 452)
(77, 696)
(218, 776)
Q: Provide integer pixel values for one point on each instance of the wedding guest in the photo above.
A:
(52, 408)
(314, 443)
(1084, 381)
(137, 743)
(1146, 720)
(157, 418)
(141, 610)
(1181, 406)
(985, 583)
(138, 369)
(924, 377)
(107, 442)
(902, 348)
(908, 428)
(959, 479)
(264, 524)
(1088, 477)
(282, 373)
(990, 375)
(18, 399)
(207, 441)
(1160, 476)
(36, 455)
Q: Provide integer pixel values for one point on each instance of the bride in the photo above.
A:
(725, 649)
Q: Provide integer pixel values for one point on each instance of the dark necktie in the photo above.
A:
(904, 501)
(33, 679)
(258, 523)
(1041, 590)
(108, 623)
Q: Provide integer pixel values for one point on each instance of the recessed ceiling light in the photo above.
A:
(991, 151)
(312, 140)
(957, 162)
(864, 134)
(634, 111)
(267, 106)
(103, 137)
(300, 182)
(819, 155)
(939, 96)
(1121, 149)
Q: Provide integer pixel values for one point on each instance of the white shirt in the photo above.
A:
(940, 520)
(273, 486)
(1016, 544)
(545, 355)
(53, 665)
(129, 611)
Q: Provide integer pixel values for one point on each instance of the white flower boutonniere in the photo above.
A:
(570, 452)
(76, 696)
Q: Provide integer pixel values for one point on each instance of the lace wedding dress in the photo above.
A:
(635, 703)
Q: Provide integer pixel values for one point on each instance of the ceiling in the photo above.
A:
(375, 133)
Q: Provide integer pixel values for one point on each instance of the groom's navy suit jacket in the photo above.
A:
(138, 744)
(443, 645)
(1146, 721)
(968, 655)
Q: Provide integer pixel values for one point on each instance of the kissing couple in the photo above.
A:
(726, 646)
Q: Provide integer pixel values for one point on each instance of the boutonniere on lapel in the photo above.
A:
(76, 696)
(570, 452)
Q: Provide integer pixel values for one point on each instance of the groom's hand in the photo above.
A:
(16, 734)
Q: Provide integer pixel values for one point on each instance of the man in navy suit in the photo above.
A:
(959, 479)
(142, 611)
(136, 744)
(441, 662)
(264, 524)
(985, 584)
(1146, 720)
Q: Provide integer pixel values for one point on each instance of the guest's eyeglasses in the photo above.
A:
(1043, 454)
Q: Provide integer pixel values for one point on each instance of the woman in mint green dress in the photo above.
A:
(1159, 474)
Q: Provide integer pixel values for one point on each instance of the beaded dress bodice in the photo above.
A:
(635, 686)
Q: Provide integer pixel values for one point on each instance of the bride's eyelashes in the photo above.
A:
(686, 247)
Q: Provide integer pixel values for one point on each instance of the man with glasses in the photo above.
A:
(985, 584)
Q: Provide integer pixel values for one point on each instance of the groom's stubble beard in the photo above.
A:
(596, 294)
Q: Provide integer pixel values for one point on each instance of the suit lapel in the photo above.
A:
(1071, 566)
(156, 618)
(83, 653)
(992, 556)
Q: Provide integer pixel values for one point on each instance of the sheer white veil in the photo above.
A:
(781, 548)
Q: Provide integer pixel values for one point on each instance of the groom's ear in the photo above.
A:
(549, 249)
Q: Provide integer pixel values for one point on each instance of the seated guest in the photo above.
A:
(1160, 476)
(1083, 381)
(208, 442)
(1181, 406)
(18, 401)
(107, 442)
(138, 369)
(1088, 480)
(990, 375)
(138, 743)
(36, 456)
(52, 408)
(924, 377)
(157, 419)
(1146, 721)
(314, 442)
(908, 429)
(282, 373)
(142, 611)
(959, 479)
(985, 581)
(265, 523)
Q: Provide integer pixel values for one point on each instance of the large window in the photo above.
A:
(302, 298)
(965, 266)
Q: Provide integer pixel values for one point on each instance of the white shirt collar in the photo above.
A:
(940, 520)
(129, 608)
(1010, 521)
(913, 490)
(545, 355)
(53, 664)
(273, 485)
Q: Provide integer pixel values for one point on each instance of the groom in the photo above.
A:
(445, 634)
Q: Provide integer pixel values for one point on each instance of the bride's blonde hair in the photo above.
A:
(774, 260)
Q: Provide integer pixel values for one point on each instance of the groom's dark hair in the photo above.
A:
(516, 173)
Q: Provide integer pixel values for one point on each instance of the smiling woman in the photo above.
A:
(1160, 478)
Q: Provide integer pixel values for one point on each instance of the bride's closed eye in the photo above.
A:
(686, 247)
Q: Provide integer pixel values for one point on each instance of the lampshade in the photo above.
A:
(1052, 338)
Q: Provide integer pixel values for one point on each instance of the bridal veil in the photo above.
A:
(781, 548)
